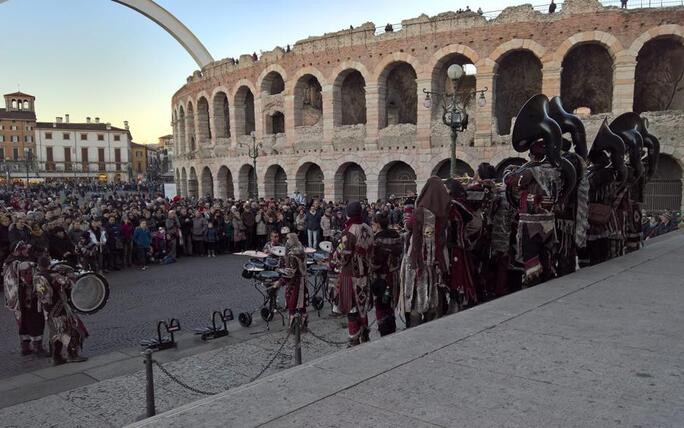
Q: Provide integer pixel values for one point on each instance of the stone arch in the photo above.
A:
(272, 80)
(397, 178)
(398, 94)
(203, 126)
(184, 183)
(193, 185)
(225, 185)
(350, 182)
(518, 77)
(182, 146)
(664, 191)
(349, 97)
(505, 163)
(191, 143)
(247, 182)
(658, 82)
(243, 105)
(515, 45)
(441, 83)
(310, 180)
(221, 116)
(443, 169)
(275, 122)
(275, 182)
(207, 182)
(668, 30)
(607, 40)
(587, 77)
(308, 98)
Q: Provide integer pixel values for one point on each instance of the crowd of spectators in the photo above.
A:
(107, 228)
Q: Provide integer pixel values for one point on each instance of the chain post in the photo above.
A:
(149, 389)
(298, 339)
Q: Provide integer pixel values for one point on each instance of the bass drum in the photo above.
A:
(89, 293)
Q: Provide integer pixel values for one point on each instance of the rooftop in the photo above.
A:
(78, 126)
(18, 94)
(17, 114)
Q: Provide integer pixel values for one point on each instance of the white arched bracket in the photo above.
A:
(173, 26)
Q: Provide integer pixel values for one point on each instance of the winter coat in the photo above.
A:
(199, 227)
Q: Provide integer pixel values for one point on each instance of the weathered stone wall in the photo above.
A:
(587, 79)
(427, 44)
(519, 78)
(660, 76)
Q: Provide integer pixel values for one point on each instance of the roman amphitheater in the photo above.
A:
(344, 116)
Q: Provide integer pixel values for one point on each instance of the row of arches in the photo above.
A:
(588, 71)
(350, 180)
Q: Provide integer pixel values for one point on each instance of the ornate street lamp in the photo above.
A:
(454, 115)
(253, 153)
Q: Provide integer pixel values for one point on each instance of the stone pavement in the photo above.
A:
(601, 347)
(109, 390)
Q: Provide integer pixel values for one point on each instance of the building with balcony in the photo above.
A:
(343, 115)
(85, 150)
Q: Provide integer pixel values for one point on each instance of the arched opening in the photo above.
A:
(399, 91)
(442, 84)
(275, 123)
(349, 98)
(308, 101)
(184, 183)
(225, 183)
(443, 169)
(399, 180)
(309, 180)
(247, 181)
(275, 182)
(244, 111)
(190, 128)
(204, 131)
(207, 182)
(659, 78)
(353, 180)
(664, 191)
(193, 185)
(273, 83)
(587, 78)
(26, 105)
(181, 130)
(14, 104)
(501, 167)
(518, 78)
(221, 117)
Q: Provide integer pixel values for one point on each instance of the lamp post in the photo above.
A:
(27, 161)
(253, 153)
(454, 115)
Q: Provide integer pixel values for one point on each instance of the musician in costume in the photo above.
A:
(462, 289)
(424, 270)
(294, 279)
(387, 251)
(535, 188)
(605, 173)
(21, 298)
(571, 215)
(353, 259)
(65, 329)
(627, 127)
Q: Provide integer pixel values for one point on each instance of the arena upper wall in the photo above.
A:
(343, 115)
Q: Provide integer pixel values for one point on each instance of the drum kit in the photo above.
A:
(89, 291)
(264, 270)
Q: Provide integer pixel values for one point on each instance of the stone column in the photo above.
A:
(624, 71)
(258, 117)
(289, 104)
(328, 117)
(233, 116)
(483, 115)
(424, 116)
(212, 124)
(551, 79)
(374, 111)
(373, 189)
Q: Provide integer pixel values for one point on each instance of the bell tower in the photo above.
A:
(19, 101)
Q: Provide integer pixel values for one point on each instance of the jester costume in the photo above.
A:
(424, 270)
(387, 250)
(462, 289)
(294, 279)
(353, 258)
(21, 298)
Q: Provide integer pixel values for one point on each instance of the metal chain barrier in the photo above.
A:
(322, 339)
(282, 345)
(180, 382)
